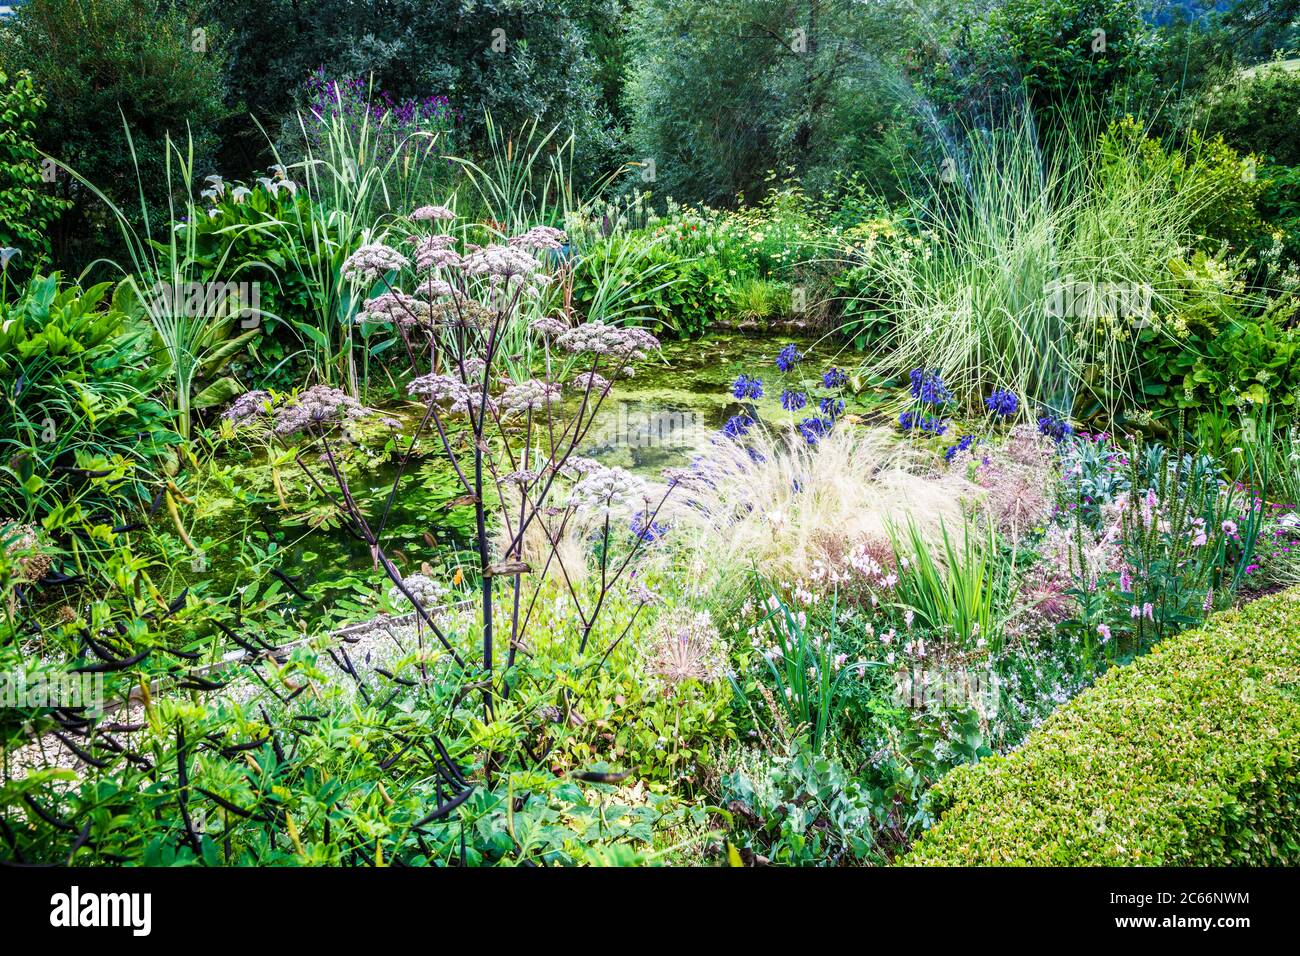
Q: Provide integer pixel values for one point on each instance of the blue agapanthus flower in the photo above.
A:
(928, 387)
(815, 429)
(792, 401)
(737, 425)
(746, 387)
(1002, 403)
(832, 408)
(926, 423)
(954, 450)
(1057, 429)
(788, 358)
(835, 378)
(647, 529)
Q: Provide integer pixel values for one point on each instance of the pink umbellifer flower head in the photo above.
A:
(396, 307)
(372, 261)
(532, 395)
(591, 381)
(540, 238)
(443, 390)
(501, 263)
(436, 252)
(432, 214)
(628, 344)
(548, 327)
(433, 288)
(246, 406)
(320, 405)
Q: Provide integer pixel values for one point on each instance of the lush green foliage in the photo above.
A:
(1255, 114)
(27, 207)
(345, 496)
(517, 60)
(79, 387)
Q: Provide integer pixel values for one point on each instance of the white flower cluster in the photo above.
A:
(474, 369)
(629, 344)
(372, 261)
(434, 252)
(604, 492)
(423, 588)
(443, 389)
(531, 395)
(398, 308)
(548, 327)
(434, 288)
(540, 238)
(523, 477)
(582, 466)
(501, 263)
(318, 405)
(432, 214)
(591, 381)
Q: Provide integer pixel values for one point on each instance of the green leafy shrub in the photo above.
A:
(801, 809)
(1189, 756)
(673, 284)
(1220, 348)
(77, 382)
(27, 207)
(251, 236)
(1217, 184)
(717, 106)
(1054, 52)
(1256, 114)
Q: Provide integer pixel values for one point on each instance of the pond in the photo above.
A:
(666, 415)
(661, 418)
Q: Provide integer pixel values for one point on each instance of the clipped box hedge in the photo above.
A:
(1188, 756)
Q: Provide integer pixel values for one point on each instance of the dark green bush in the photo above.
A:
(718, 94)
(1257, 114)
(96, 63)
(519, 60)
(1188, 756)
(1055, 53)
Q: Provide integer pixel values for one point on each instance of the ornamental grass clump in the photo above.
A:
(773, 501)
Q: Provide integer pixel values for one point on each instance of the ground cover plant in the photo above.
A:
(761, 437)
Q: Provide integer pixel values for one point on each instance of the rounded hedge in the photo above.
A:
(1188, 756)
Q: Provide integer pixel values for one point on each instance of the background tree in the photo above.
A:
(518, 59)
(96, 62)
(721, 93)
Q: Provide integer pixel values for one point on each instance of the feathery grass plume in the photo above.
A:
(774, 502)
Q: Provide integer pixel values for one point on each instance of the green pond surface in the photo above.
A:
(667, 413)
(662, 417)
